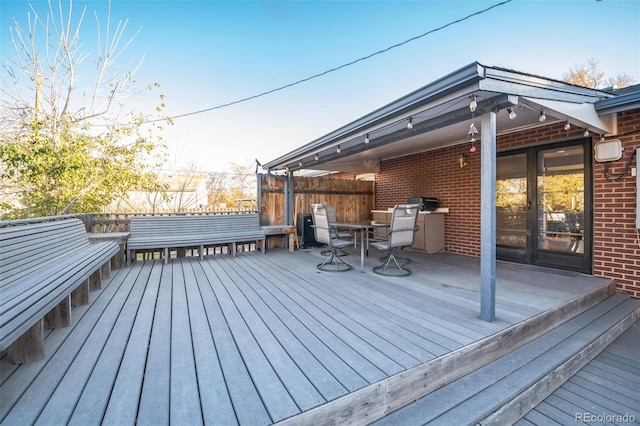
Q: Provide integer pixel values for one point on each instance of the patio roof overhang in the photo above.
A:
(441, 117)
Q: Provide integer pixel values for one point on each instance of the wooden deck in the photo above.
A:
(257, 339)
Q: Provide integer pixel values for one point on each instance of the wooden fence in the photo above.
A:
(353, 200)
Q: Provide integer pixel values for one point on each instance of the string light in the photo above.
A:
(586, 133)
(542, 117)
(338, 150)
(410, 124)
(366, 139)
(474, 104)
(567, 125)
(300, 163)
(512, 113)
(316, 157)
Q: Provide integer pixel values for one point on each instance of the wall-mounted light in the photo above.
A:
(473, 104)
(410, 123)
(366, 139)
(567, 126)
(542, 117)
(462, 161)
(512, 113)
(338, 150)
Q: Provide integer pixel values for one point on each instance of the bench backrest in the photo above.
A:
(38, 243)
(168, 226)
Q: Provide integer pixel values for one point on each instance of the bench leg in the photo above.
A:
(60, 316)
(80, 296)
(105, 271)
(30, 346)
(95, 281)
(292, 242)
(262, 245)
(201, 252)
(233, 249)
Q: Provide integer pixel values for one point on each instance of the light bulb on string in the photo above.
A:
(410, 124)
(567, 126)
(473, 105)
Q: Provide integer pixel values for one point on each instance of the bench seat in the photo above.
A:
(45, 267)
(168, 232)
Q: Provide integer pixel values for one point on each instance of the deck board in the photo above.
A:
(258, 338)
(245, 396)
(607, 385)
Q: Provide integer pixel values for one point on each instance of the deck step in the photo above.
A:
(506, 389)
(388, 395)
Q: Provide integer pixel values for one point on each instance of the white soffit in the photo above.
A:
(578, 114)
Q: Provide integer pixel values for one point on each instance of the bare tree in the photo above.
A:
(588, 75)
(53, 116)
(217, 183)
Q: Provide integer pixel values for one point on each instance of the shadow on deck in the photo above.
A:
(261, 339)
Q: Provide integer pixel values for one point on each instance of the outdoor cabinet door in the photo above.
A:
(420, 237)
(434, 232)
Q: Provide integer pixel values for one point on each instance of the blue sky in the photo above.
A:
(205, 53)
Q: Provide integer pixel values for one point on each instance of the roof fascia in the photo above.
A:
(618, 104)
(450, 83)
(519, 84)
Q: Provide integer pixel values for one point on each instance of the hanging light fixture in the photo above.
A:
(473, 131)
(512, 113)
(338, 150)
(567, 125)
(316, 157)
(366, 139)
(586, 133)
(410, 124)
(542, 117)
(300, 163)
(474, 104)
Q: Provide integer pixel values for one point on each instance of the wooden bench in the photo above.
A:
(45, 269)
(284, 230)
(168, 232)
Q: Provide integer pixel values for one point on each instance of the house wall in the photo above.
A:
(438, 174)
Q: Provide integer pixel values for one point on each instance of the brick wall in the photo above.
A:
(616, 243)
(438, 174)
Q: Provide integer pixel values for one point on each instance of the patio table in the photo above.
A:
(365, 227)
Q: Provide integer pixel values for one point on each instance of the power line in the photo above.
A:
(379, 52)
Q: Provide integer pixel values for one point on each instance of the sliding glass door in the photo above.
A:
(543, 206)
